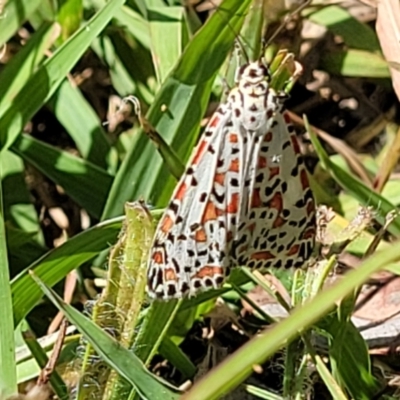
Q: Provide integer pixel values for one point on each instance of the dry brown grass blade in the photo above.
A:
(69, 289)
(389, 163)
(342, 148)
(360, 137)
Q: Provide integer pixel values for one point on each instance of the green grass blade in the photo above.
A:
(239, 365)
(349, 358)
(355, 63)
(17, 72)
(354, 33)
(356, 188)
(185, 94)
(8, 372)
(171, 352)
(13, 15)
(119, 358)
(49, 76)
(167, 25)
(22, 227)
(81, 122)
(56, 264)
(135, 24)
(86, 183)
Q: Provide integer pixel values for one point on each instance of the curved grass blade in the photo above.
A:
(118, 357)
(49, 76)
(56, 264)
(183, 97)
(85, 182)
(356, 188)
(238, 366)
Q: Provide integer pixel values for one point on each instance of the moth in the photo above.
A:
(244, 198)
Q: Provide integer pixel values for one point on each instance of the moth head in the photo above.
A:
(253, 78)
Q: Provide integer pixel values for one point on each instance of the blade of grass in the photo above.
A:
(166, 25)
(86, 183)
(19, 69)
(56, 264)
(354, 63)
(238, 366)
(41, 358)
(8, 372)
(183, 97)
(354, 187)
(13, 15)
(354, 33)
(81, 122)
(49, 76)
(119, 358)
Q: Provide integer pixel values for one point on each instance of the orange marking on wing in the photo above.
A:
(268, 137)
(166, 224)
(309, 233)
(233, 138)
(273, 172)
(209, 270)
(304, 179)
(199, 152)
(214, 121)
(180, 193)
(200, 235)
(276, 202)
(157, 257)
(293, 250)
(295, 144)
(219, 178)
(255, 199)
(210, 213)
(279, 221)
(229, 236)
(287, 118)
(233, 205)
(234, 165)
(262, 162)
(310, 208)
(262, 255)
(170, 275)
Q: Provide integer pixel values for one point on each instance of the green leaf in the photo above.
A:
(17, 72)
(349, 356)
(119, 358)
(81, 122)
(86, 183)
(49, 76)
(57, 263)
(8, 372)
(13, 15)
(41, 358)
(168, 38)
(135, 24)
(356, 63)
(184, 96)
(70, 17)
(356, 188)
(170, 351)
(232, 371)
(354, 33)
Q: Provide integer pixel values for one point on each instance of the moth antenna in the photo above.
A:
(287, 18)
